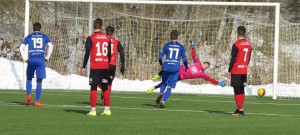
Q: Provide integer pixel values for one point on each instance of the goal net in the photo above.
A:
(144, 28)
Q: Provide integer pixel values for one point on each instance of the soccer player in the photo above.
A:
(196, 70)
(116, 47)
(33, 50)
(98, 46)
(173, 51)
(237, 71)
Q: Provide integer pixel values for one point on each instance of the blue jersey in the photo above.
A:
(36, 42)
(174, 51)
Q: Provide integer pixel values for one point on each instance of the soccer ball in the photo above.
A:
(261, 92)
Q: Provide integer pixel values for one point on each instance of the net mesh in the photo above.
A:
(144, 29)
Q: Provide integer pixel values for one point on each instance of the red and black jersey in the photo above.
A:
(116, 47)
(240, 57)
(98, 46)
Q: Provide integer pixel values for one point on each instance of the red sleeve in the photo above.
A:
(211, 80)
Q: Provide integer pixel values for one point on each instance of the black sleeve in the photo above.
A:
(109, 51)
(121, 51)
(234, 52)
(88, 46)
(250, 57)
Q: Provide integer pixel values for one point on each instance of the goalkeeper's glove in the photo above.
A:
(192, 43)
(122, 69)
(222, 83)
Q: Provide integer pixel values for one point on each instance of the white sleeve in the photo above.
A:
(24, 52)
(50, 49)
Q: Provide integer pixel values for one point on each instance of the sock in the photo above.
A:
(106, 108)
(239, 99)
(167, 94)
(93, 98)
(162, 89)
(93, 109)
(28, 87)
(38, 91)
(106, 98)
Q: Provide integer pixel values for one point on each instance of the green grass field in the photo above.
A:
(64, 112)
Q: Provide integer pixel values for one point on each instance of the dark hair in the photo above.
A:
(241, 30)
(174, 35)
(98, 23)
(37, 26)
(110, 30)
(206, 62)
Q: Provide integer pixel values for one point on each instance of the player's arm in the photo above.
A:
(161, 55)
(185, 62)
(234, 52)
(50, 49)
(194, 55)
(213, 81)
(24, 50)
(109, 51)
(122, 56)
(88, 46)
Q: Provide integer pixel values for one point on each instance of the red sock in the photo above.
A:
(93, 98)
(107, 96)
(239, 100)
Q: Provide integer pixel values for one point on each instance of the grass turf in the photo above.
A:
(64, 112)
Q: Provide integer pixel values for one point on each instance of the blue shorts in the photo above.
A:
(170, 78)
(37, 65)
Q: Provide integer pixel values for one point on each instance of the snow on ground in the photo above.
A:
(11, 74)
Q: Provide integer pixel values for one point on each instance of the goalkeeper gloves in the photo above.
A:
(222, 83)
(122, 69)
(192, 43)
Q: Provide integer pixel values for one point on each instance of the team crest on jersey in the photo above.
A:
(194, 70)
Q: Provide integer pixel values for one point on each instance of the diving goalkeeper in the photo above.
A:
(196, 70)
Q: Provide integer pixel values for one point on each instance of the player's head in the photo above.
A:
(110, 30)
(174, 35)
(98, 23)
(205, 65)
(37, 26)
(241, 31)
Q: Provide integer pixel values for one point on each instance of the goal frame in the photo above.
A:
(260, 4)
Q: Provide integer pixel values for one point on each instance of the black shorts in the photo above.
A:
(238, 80)
(112, 72)
(99, 76)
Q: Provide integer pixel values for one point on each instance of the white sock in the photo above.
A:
(106, 108)
(93, 109)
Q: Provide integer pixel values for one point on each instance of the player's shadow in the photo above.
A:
(17, 103)
(217, 112)
(151, 105)
(76, 111)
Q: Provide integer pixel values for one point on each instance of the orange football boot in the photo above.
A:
(28, 100)
(38, 104)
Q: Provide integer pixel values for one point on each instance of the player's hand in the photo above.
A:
(122, 69)
(229, 75)
(192, 43)
(83, 71)
(222, 83)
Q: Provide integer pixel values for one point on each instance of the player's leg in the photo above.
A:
(106, 89)
(112, 73)
(239, 93)
(155, 87)
(94, 81)
(171, 84)
(40, 75)
(30, 74)
(158, 76)
(163, 86)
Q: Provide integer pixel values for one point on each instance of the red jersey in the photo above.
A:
(114, 51)
(242, 59)
(99, 50)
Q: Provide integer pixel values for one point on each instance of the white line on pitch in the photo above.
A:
(193, 100)
(143, 109)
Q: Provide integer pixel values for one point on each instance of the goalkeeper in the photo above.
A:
(196, 70)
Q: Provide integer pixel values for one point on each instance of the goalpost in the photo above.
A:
(205, 37)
